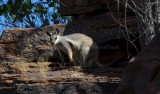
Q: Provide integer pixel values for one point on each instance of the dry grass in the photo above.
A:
(26, 67)
(42, 69)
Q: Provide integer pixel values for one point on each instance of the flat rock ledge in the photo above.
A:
(40, 78)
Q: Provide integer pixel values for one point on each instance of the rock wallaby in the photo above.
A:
(81, 49)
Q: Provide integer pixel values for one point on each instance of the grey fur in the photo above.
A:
(81, 49)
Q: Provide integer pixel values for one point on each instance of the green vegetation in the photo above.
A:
(29, 13)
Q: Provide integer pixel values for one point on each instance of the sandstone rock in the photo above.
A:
(78, 3)
(100, 20)
(30, 79)
(142, 76)
(72, 7)
(101, 28)
(29, 43)
(77, 7)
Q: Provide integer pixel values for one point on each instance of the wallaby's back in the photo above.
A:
(78, 37)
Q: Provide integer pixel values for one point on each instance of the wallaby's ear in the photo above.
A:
(58, 31)
(48, 33)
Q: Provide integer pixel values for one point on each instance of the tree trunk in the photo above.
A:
(148, 19)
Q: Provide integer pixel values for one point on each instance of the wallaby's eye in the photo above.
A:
(55, 38)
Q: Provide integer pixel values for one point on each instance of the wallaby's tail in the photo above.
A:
(117, 60)
(103, 65)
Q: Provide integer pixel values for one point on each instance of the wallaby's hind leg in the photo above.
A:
(83, 62)
(84, 57)
(92, 57)
(88, 62)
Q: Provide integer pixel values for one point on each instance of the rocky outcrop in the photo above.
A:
(33, 44)
(97, 20)
(40, 78)
(28, 43)
(78, 7)
(100, 20)
(142, 76)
